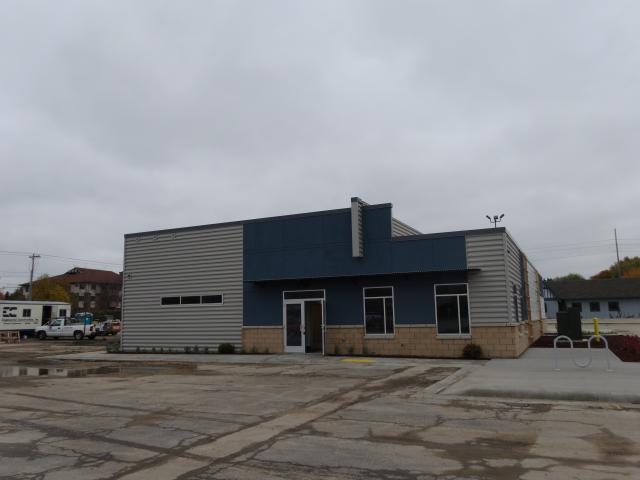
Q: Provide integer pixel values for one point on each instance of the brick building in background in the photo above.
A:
(95, 291)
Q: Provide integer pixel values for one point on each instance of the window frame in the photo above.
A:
(616, 302)
(302, 297)
(384, 311)
(199, 304)
(26, 313)
(458, 295)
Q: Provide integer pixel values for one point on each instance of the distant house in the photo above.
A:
(610, 298)
(96, 291)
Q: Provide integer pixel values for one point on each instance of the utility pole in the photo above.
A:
(615, 234)
(33, 257)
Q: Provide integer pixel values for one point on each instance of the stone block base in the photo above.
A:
(262, 339)
(506, 341)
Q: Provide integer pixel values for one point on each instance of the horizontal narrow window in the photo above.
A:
(170, 301)
(378, 292)
(212, 299)
(190, 300)
(303, 294)
(451, 289)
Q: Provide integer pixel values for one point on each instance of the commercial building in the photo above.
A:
(352, 280)
(611, 298)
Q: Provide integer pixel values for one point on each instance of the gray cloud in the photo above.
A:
(126, 116)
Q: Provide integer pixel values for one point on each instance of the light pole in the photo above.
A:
(495, 220)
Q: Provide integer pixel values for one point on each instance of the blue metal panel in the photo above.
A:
(319, 246)
(413, 298)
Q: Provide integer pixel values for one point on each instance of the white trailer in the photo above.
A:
(27, 316)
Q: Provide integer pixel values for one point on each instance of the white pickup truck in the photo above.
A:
(65, 327)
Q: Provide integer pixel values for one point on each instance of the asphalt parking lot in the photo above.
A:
(316, 418)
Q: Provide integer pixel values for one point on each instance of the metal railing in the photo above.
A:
(589, 360)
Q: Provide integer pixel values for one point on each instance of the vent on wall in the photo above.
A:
(357, 242)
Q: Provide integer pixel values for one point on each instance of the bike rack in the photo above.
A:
(576, 363)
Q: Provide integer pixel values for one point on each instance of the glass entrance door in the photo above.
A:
(294, 323)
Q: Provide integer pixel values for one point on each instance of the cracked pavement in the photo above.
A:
(324, 420)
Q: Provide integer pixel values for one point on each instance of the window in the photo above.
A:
(452, 309)
(303, 294)
(594, 306)
(614, 306)
(80, 304)
(92, 304)
(26, 313)
(216, 299)
(577, 305)
(212, 299)
(378, 311)
(62, 312)
(190, 300)
(515, 303)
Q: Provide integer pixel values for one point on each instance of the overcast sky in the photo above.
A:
(124, 116)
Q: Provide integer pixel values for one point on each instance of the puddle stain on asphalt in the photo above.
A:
(118, 370)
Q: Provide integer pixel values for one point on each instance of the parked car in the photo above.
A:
(65, 327)
(108, 327)
(112, 327)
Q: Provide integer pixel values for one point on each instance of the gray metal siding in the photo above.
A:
(197, 262)
(535, 293)
(401, 229)
(487, 288)
(514, 276)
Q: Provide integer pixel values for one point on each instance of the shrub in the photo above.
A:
(336, 350)
(266, 351)
(630, 347)
(253, 350)
(226, 348)
(196, 349)
(187, 349)
(113, 348)
(350, 350)
(153, 350)
(206, 350)
(472, 351)
(365, 350)
(137, 349)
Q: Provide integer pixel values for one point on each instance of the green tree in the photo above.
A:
(568, 276)
(46, 289)
(16, 295)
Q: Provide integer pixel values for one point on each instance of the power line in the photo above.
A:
(59, 257)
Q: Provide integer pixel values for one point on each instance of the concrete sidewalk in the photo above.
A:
(533, 376)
